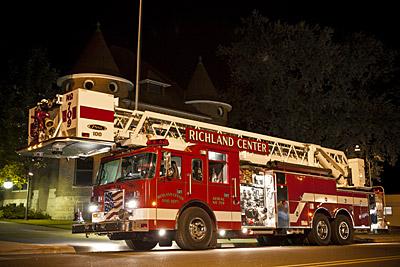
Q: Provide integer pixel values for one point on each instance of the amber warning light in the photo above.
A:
(157, 142)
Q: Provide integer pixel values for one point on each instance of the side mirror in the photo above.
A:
(166, 162)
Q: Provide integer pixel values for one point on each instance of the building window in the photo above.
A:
(68, 86)
(154, 89)
(220, 111)
(217, 166)
(88, 84)
(84, 172)
(113, 87)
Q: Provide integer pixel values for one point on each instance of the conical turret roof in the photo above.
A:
(96, 57)
(200, 86)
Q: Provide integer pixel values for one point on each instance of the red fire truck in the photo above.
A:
(174, 179)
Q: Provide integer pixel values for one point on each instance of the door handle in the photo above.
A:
(190, 184)
(234, 188)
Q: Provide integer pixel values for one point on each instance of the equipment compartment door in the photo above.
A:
(257, 197)
(282, 200)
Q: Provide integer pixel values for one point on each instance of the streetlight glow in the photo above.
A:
(8, 184)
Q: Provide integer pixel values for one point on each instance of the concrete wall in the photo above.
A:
(65, 198)
(53, 191)
(394, 202)
(212, 111)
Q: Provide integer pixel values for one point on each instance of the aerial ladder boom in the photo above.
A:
(134, 128)
(85, 123)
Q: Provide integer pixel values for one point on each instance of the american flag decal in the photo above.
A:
(113, 202)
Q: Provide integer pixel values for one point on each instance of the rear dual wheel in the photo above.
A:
(320, 233)
(342, 230)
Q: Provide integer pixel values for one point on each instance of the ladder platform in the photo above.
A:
(66, 147)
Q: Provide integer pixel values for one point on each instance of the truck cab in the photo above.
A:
(143, 193)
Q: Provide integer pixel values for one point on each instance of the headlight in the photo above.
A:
(93, 207)
(132, 204)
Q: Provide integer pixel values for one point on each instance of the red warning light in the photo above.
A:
(157, 142)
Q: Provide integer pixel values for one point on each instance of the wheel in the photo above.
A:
(320, 233)
(195, 230)
(139, 245)
(342, 230)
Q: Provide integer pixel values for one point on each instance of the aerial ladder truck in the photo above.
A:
(164, 178)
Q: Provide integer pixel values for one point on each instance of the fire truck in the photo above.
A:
(167, 178)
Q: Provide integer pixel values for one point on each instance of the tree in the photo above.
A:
(299, 82)
(13, 172)
(29, 79)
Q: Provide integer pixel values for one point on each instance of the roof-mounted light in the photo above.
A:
(157, 142)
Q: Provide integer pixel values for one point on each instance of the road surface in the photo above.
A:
(99, 251)
(354, 255)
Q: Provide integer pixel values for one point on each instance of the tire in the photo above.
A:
(139, 245)
(342, 230)
(320, 233)
(195, 230)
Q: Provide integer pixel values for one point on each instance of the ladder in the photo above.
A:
(133, 128)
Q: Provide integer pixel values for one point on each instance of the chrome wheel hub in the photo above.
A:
(322, 230)
(344, 230)
(197, 228)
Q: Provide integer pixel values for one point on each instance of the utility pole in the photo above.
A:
(28, 191)
(138, 57)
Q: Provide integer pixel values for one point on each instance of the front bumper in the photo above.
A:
(107, 227)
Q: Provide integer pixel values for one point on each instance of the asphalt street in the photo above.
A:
(377, 254)
(29, 245)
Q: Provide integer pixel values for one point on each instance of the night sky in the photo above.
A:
(175, 33)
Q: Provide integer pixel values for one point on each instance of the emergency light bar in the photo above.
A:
(157, 142)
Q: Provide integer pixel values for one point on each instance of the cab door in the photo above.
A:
(221, 182)
(170, 189)
(195, 179)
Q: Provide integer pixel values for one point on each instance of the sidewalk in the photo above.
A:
(13, 248)
(388, 237)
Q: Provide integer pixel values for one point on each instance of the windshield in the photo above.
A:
(133, 167)
(108, 171)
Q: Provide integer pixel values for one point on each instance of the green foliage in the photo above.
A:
(13, 211)
(14, 172)
(28, 79)
(38, 215)
(301, 82)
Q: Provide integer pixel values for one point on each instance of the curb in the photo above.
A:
(15, 248)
